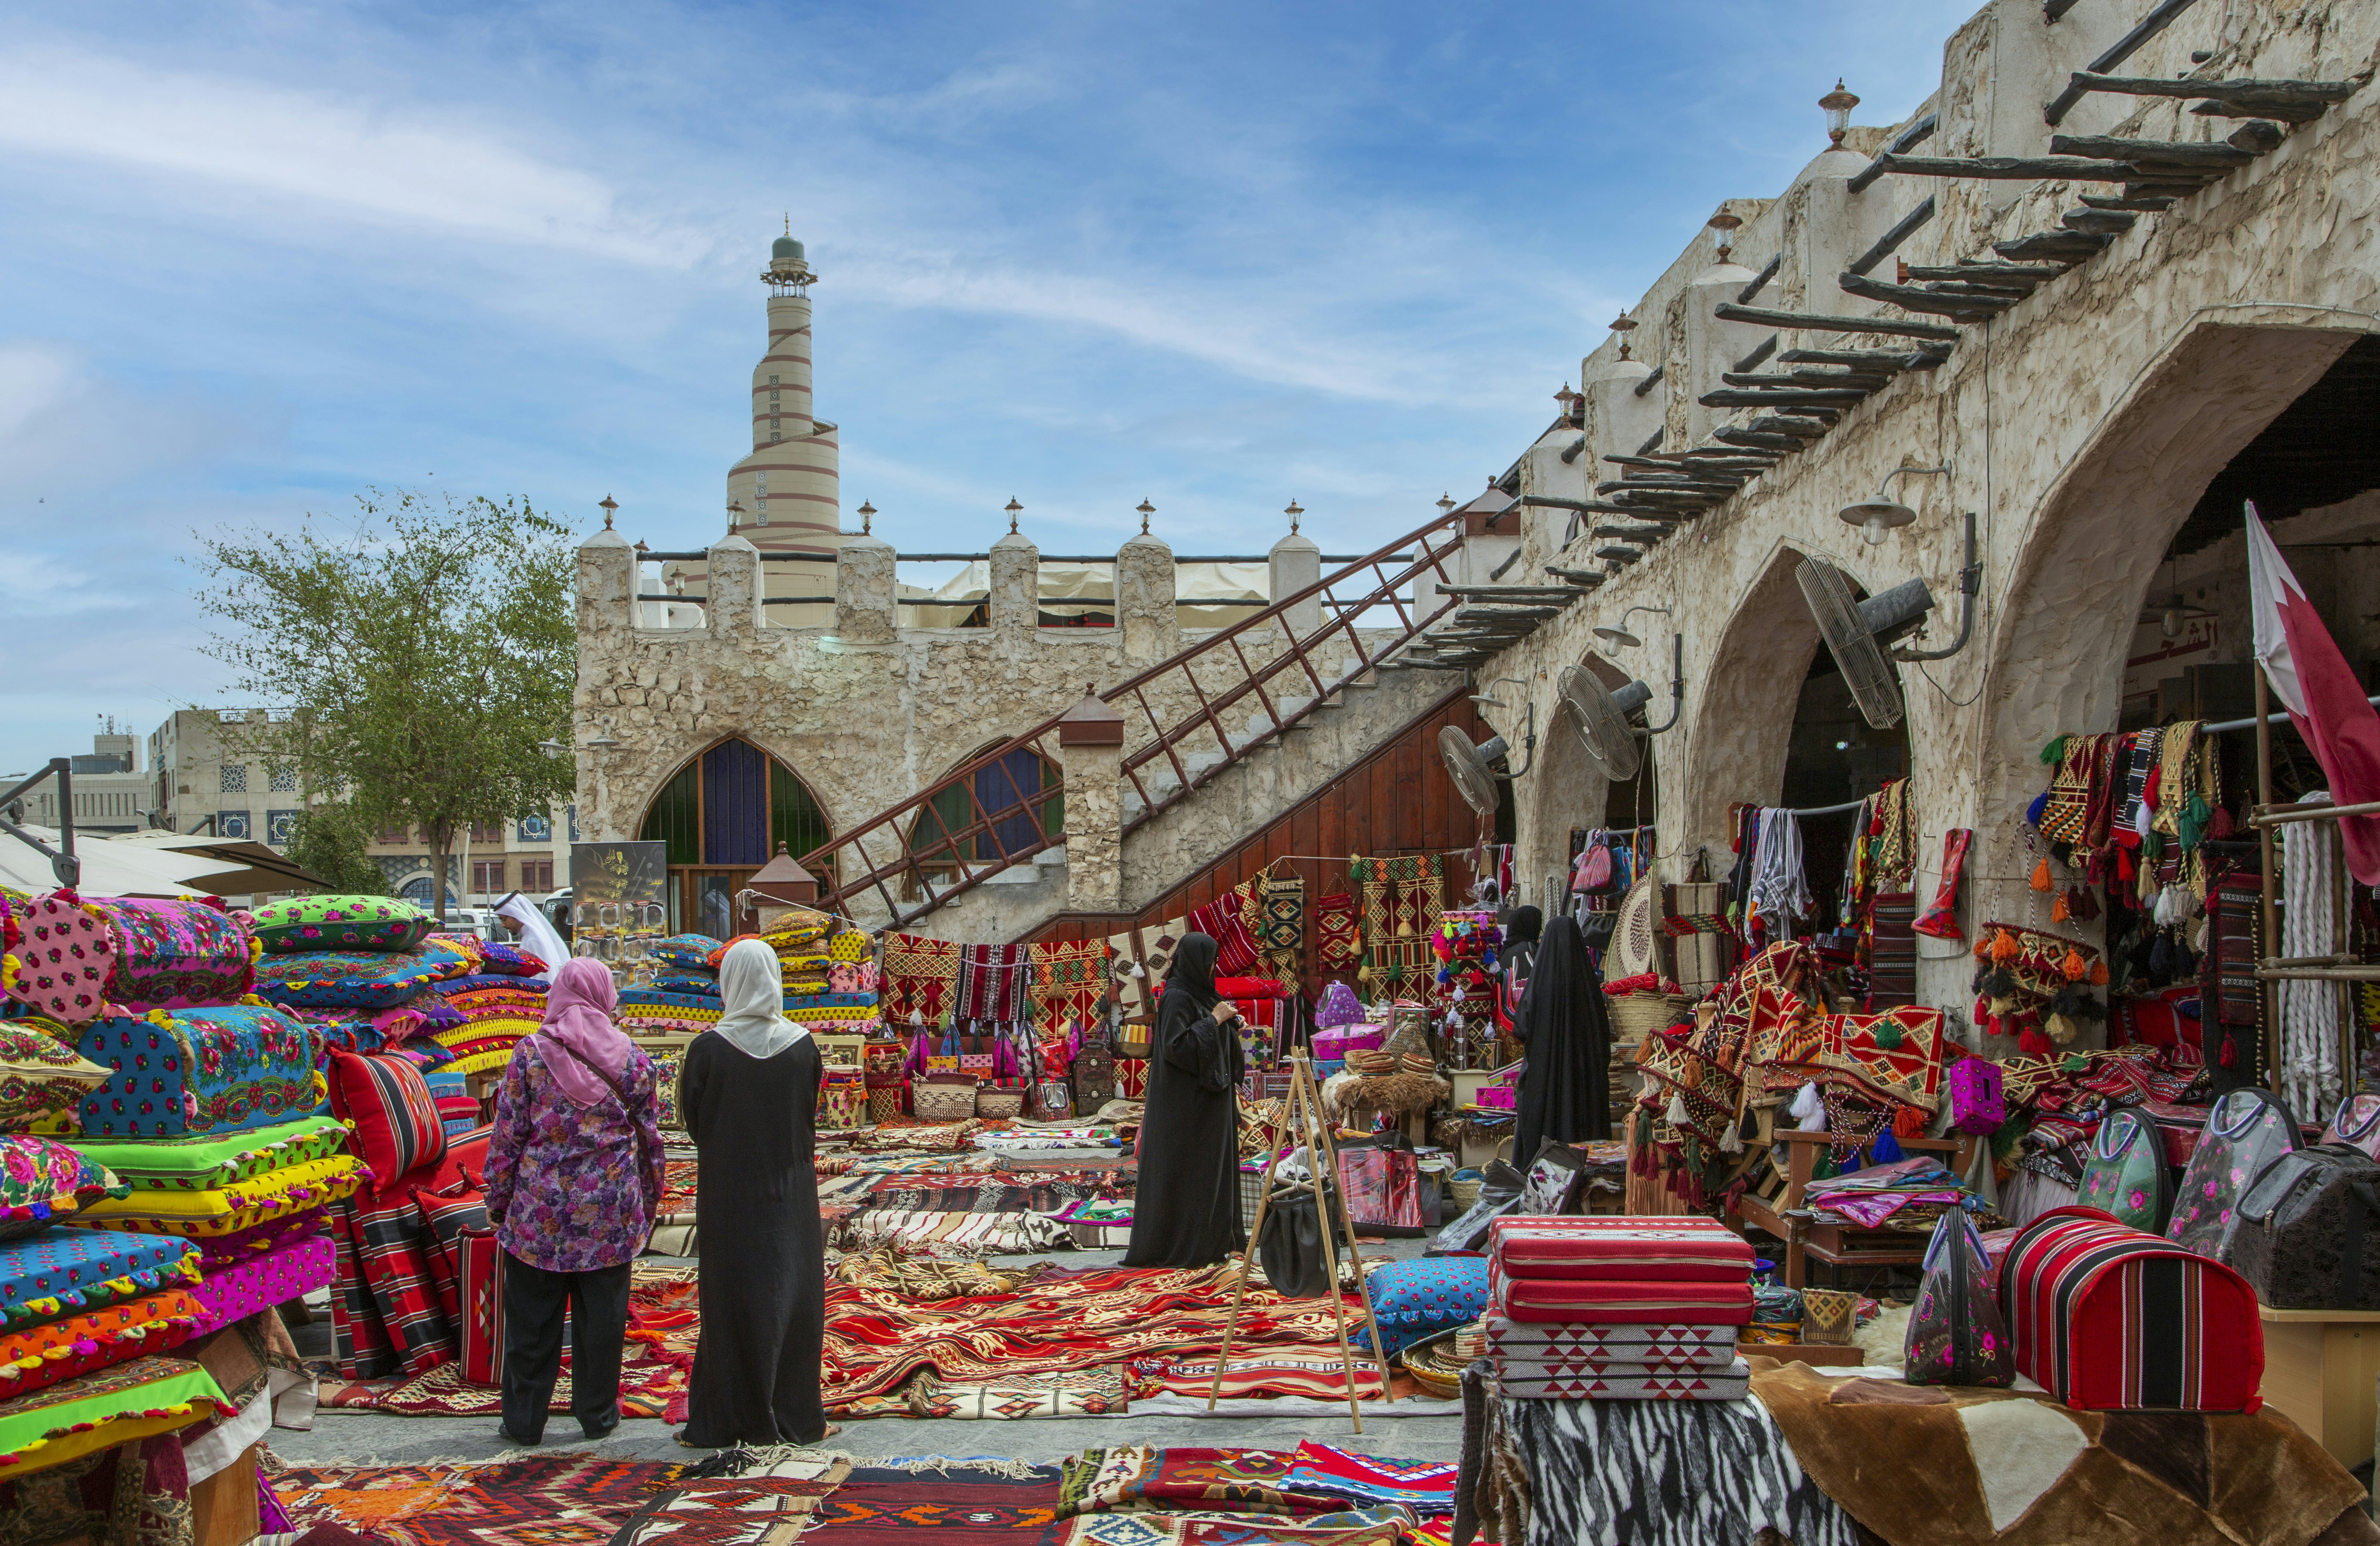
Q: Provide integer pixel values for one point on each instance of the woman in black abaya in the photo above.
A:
(1565, 1035)
(1187, 1211)
(1519, 958)
(748, 1092)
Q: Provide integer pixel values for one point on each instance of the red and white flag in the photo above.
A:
(2315, 684)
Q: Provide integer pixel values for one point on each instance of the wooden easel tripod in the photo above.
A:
(1301, 1124)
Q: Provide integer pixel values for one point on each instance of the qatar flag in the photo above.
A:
(2314, 681)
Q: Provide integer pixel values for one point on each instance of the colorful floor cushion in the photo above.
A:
(206, 1164)
(66, 1270)
(217, 1252)
(1697, 1250)
(199, 1072)
(393, 1117)
(242, 1205)
(445, 1216)
(303, 924)
(42, 1078)
(275, 1278)
(1713, 1304)
(511, 960)
(700, 984)
(683, 950)
(117, 1405)
(43, 1182)
(531, 987)
(495, 998)
(77, 957)
(358, 979)
(1417, 1298)
(37, 1357)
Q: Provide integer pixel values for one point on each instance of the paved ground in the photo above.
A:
(355, 1437)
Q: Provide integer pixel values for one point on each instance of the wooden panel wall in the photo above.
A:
(1399, 800)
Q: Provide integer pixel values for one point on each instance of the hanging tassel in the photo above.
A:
(2098, 974)
(1885, 1151)
(2231, 1054)
(2041, 876)
(2033, 812)
(1909, 1122)
(2005, 948)
(2062, 1028)
(1888, 1035)
(2074, 968)
(2161, 957)
(1748, 1128)
(2220, 826)
(2052, 751)
(2001, 983)
(1731, 1141)
(2191, 824)
(2058, 910)
(2030, 1042)
(1677, 1115)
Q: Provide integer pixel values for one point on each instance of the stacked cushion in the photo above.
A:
(1417, 1300)
(511, 960)
(492, 1013)
(36, 1357)
(353, 980)
(343, 923)
(42, 1078)
(43, 1182)
(120, 1406)
(63, 1272)
(76, 957)
(392, 1119)
(1636, 1290)
(234, 1206)
(684, 951)
(289, 1270)
(194, 1072)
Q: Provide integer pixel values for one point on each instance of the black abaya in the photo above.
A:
(1565, 1093)
(1186, 1209)
(755, 1358)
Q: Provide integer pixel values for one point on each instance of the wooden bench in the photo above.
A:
(1838, 1245)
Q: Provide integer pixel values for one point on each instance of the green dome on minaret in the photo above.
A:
(785, 250)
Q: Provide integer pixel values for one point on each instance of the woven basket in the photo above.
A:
(883, 1104)
(1434, 1367)
(1133, 1039)
(998, 1103)
(1635, 1015)
(942, 1102)
(1464, 1193)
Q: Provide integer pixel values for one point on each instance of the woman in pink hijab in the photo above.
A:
(574, 1184)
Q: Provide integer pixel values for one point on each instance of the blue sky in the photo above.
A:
(255, 258)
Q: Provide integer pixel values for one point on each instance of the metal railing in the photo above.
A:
(913, 857)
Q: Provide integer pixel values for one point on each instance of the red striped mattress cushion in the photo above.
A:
(1635, 1249)
(1702, 1304)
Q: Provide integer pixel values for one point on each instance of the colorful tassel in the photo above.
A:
(2098, 974)
(2041, 876)
(2005, 948)
(1909, 1122)
(2074, 968)
(2058, 911)
(2030, 1042)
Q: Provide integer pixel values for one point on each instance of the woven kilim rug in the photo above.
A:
(1338, 945)
(768, 1504)
(1281, 923)
(1369, 1527)
(558, 1500)
(1069, 979)
(958, 1506)
(661, 1327)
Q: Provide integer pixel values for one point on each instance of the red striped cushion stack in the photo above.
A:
(1618, 1308)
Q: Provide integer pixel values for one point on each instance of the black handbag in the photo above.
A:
(2304, 1236)
(1291, 1250)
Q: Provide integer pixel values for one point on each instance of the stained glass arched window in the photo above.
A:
(730, 808)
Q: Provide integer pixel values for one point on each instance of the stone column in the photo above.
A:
(1090, 743)
(866, 610)
(1713, 348)
(1295, 563)
(1144, 609)
(1016, 587)
(607, 583)
(735, 583)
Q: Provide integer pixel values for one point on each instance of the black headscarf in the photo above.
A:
(1524, 926)
(1565, 1034)
(1193, 973)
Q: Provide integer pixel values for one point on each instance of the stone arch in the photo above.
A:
(722, 812)
(1024, 776)
(2084, 561)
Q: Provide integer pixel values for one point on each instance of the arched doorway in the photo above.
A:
(1017, 790)
(1834, 758)
(722, 816)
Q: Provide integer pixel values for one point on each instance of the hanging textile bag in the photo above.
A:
(2356, 1123)
(2126, 1173)
(1290, 1250)
(2307, 1237)
(1957, 1335)
(1383, 1190)
(1977, 1102)
(481, 1273)
(1594, 866)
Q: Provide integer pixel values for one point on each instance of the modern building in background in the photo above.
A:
(110, 793)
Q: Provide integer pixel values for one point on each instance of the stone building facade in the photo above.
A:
(2101, 430)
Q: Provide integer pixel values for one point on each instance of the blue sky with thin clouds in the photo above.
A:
(254, 258)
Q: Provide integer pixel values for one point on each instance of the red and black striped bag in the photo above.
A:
(2108, 1318)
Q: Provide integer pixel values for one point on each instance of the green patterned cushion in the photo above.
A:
(340, 923)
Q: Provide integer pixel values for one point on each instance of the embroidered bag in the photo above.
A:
(1977, 1104)
(1956, 1334)
(480, 1268)
(2246, 1131)
(1828, 1317)
(2126, 1175)
(1594, 867)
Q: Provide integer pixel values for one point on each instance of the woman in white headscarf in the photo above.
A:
(748, 1094)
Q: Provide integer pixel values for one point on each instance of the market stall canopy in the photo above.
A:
(221, 867)
(109, 868)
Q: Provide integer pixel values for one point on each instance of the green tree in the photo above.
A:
(329, 844)
(425, 649)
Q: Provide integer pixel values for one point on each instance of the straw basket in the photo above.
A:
(998, 1103)
(1461, 1191)
(883, 1104)
(1435, 1367)
(942, 1102)
(1637, 1015)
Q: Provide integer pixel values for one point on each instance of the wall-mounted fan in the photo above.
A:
(1599, 714)
(1857, 632)
(1474, 769)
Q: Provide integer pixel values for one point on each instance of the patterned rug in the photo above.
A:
(959, 1505)
(1259, 1373)
(768, 1504)
(559, 1500)
(949, 1236)
(1338, 945)
(1144, 1477)
(1384, 1525)
(1069, 979)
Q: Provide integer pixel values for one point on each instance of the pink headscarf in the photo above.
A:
(578, 1026)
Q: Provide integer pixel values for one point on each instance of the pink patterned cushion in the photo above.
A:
(278, 1276)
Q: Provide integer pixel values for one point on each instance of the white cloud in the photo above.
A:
(411, 165)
